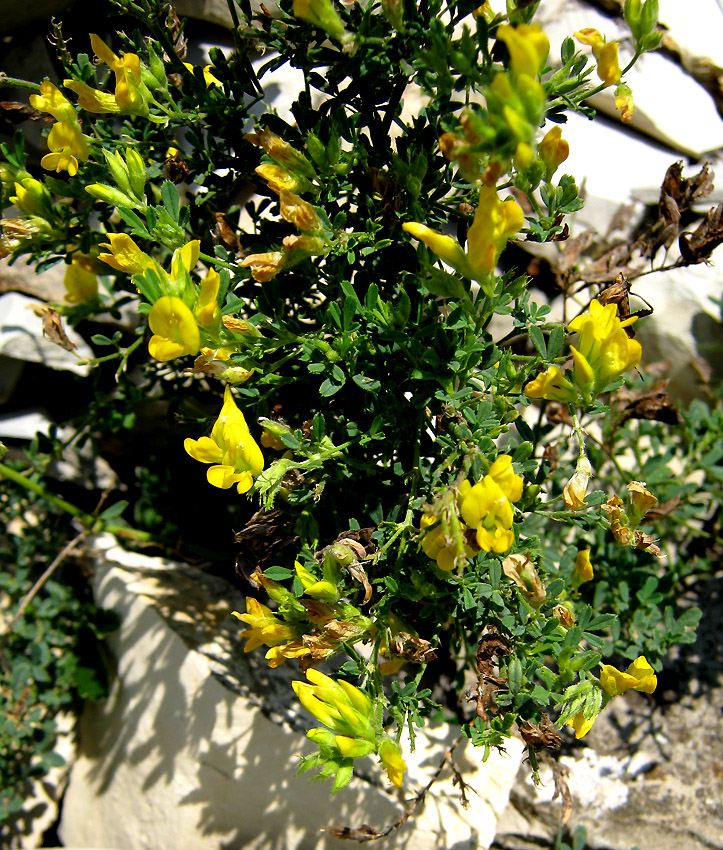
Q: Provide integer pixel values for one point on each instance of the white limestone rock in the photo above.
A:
(21, 337)
(197, 745)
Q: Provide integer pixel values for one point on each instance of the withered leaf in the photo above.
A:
(676, 196)
(265, 535)
(653, 404)
(412, 648)
(224, 233)
(359, 833)
(53, 329)
(699, 245)
(543, 736)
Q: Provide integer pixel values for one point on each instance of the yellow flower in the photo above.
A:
(522, 571)
(54, 102)
(583, 568)
(92, 100)
(495, 222)
(264, 266)
(575, 489)
(208, 76)
(281, 151)
(444, 549)
(624, 102)
(551, 385)
(606, 54)
(553, 150)
(298, 211)
(125, 255)
(528, 47)
(67, 145)
(236, 457)
(174, 327)
(392, 761)
(266, 629)
(639, 676)
(581, 724)
(81, 283)
(280, 179)
(127, 70)
(207, 309)
(486, 506)
(604, 351)
(32, 198)
(642, 501)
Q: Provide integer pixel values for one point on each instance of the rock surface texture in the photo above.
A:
(197, 745)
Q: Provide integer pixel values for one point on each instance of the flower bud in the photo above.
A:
(574, 492)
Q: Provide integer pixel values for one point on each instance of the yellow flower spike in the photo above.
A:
(528, 47)
(574, 493)
(338, 705)
(92, 100)
(175, 332)
(581, 724)
(81, 283)
(67, 145)
(127, 70)
(553, 150)
(236, 457)
(124, 255)
(551, 385)
(392, 761)
(608, 67)
(207, 310)
(54, 102)
(639, 676)
(583, 568)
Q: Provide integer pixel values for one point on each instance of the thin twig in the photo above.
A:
(56, 562)
(367, 833)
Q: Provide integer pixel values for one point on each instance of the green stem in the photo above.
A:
(16, 83)
(207, 258)
(91, 522)
(34, 487)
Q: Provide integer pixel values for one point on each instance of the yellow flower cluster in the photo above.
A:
(639, 676)
(66, 142)
(288, 174)
(604, 352)
(355, 731)
(486, 506)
